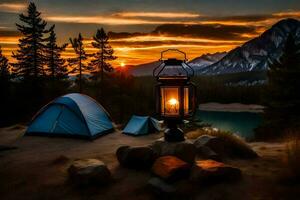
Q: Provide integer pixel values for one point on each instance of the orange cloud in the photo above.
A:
(158, 14)
(12, 7)
(9, 40)
(162, 38)
(98, 20)
(287, 14)
(113, 20)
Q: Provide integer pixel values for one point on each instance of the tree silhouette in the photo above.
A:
(5, 89)
(78, 62)
(100, 59)
(282, 95)
(4, 69)
(56, 66)
(30, 58)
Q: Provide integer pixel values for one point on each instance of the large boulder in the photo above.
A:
(135, 157)
(218, 148)
(210, 171)
(170, 168)
(89, 171)
(186, 151)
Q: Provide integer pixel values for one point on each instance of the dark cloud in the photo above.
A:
(158, 43)
(210, 31)
(118, 35)
(207, 31)
(241, 18)
(9, 33)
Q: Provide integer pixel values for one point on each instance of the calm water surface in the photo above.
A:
(241, 123)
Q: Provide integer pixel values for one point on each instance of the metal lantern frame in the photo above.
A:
(186, 94)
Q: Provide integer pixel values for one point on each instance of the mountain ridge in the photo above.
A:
(253, 55)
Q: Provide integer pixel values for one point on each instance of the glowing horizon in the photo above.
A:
(139, 34)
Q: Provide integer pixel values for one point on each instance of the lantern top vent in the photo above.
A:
(173, 67)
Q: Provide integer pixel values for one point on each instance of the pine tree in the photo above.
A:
(282, 96)
(5, 90)
(56, 65)
(104, 54)
(78, 63)
(30, 58)
(4, 69)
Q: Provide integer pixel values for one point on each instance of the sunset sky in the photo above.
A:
(140, 29)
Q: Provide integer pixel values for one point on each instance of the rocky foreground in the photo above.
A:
(118, 166)
(191, 162)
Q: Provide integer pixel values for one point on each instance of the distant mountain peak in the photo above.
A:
(255, 54)
(206, 59)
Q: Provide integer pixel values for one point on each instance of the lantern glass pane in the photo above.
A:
(186, 101)
(170, 101)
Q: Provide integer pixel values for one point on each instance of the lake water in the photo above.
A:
(241, 123)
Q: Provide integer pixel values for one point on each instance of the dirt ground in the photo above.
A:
(30, 171)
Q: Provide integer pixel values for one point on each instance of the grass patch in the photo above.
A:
(236, 146)
(291, 173)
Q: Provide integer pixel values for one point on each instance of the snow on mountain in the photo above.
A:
(255, 54)
(206, 60)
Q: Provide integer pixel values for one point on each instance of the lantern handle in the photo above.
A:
(185, 59)
(162, 53)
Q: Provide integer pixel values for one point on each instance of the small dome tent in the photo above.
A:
(74, 115)
(141, 125)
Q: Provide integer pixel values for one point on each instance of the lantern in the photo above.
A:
(175, 94)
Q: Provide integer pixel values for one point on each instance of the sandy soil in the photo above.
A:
(231, 107)
(29, 172)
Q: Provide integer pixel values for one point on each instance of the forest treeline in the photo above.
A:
(39, 74)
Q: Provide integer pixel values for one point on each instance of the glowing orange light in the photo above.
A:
(122, 64)
(173, 102)
(172, 106)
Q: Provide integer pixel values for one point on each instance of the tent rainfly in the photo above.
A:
(74, 115)
(141, 125)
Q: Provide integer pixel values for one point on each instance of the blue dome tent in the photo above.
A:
(141, 125)
(74, 115)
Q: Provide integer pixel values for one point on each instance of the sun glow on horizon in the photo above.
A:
(122, 64)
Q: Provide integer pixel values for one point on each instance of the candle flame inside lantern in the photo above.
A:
(173, 102)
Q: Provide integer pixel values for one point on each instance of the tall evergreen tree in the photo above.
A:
(30, 58)
(282, 96)
(4, 69)
(100, 60)
(5, 90)
(56, 65)
(78, 63)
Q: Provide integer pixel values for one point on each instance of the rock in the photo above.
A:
(159, 186)
(212, 147)
(135, 157)
(210, 171)
(186, 151)
(89, 171)
(170, 168)
(205, 152)
(207, 145)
